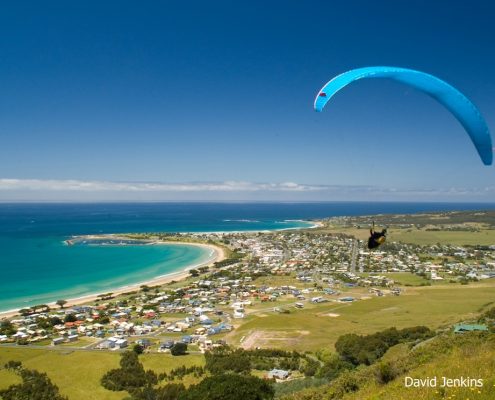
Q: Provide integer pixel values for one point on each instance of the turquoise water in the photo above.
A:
(36, 267)
(51, 270)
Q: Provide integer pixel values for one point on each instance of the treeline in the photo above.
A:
(357, 349)
(227, 261)
(353, 351)
(142, 385)
(227, 359)
(373, 379)
(181, 372)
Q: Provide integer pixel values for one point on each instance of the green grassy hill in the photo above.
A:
(448, 355)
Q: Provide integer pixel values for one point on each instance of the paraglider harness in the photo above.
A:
(376, 238)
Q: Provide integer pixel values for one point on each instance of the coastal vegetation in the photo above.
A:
(362, 368)
(294, 314)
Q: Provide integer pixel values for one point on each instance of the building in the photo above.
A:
(278, 374)
(58, 340)
(461, 328)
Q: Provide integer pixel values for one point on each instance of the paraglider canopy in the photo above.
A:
(459, 105)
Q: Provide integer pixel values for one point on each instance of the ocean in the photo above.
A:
(37, 267)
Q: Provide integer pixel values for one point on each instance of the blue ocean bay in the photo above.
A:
(37, 267)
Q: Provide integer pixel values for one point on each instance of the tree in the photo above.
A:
(230, 387)
(42, 307)
(35, 385)
(367, 349)
(130, 376)
(70, 318)
(61, 303)
(138, 349)
(224, 359)
(13, 365)
(311, 367)
(179, 349)
(7, 328)
(55, 321)
(333, 367)
(194, 272)
(171, 391)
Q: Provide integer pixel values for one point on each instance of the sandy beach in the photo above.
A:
(218, 254)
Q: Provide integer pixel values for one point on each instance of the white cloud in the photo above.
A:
(79, 190)
(97, 186)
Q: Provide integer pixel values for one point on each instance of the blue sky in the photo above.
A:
(213, 100)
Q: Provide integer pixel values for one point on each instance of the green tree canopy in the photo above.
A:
(35, 385)
(230, 387)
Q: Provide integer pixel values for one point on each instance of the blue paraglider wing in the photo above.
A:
(458, 104)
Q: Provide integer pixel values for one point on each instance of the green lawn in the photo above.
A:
(312, 328)
(78, 373)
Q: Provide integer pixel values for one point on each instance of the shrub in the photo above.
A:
(179, 349)
(386, 372)
(138, 349)
(230, 387)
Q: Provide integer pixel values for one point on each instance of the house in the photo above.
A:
(73, 338)
(278, 374)
(116, 342)
(107, 344)
(318, 299)
(205, 344)
(461, 328)
(121, 343)
(57, 341)
(214, 330)
(167, 345)
(186, 339)
(145, 343)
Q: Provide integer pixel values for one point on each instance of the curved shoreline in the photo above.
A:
(218, 255)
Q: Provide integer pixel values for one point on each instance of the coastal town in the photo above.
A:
(263, 273)
(288, 310)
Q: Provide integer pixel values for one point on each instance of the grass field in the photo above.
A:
(403, 278)
(422, 236)
(78, 373)
(474, 359)
(470, 355)
(312, 328)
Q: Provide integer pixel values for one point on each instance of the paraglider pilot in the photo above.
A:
(376, 238)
